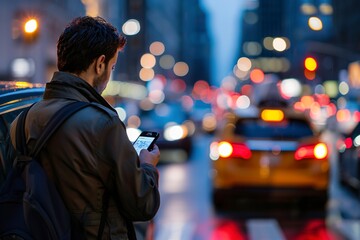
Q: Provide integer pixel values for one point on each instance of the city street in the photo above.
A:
(186, 211)
(254, 105)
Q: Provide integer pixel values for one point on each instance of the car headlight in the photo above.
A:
(175, 132)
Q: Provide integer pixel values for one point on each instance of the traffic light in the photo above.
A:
(310, 65)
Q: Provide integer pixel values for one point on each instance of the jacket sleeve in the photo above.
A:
(134, 186)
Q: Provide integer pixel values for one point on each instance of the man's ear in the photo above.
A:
(100, 64)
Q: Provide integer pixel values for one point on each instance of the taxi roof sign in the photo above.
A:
(272, 115)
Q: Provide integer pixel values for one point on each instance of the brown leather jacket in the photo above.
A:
(91, 152)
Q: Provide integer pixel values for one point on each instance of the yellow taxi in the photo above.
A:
(271, 153)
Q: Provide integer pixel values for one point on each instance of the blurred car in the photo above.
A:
(269, 154)
(175, 128)
(14, 97)
(203, 117)
(349, 157)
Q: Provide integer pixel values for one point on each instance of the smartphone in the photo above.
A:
(145, 140)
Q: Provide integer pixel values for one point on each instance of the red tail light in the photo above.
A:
(314, 151)
(238, 150)
(348, 142)
(343, 144)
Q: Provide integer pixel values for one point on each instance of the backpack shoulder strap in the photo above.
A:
(20, 132)
(54, 123)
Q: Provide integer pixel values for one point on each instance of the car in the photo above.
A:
(14, 98)
(349, 156)
(269, 154)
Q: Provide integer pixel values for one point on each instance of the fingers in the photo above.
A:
(155, 149)
(151, 157)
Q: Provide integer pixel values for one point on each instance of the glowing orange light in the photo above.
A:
(307, 101)
(225, 149)
(320, 151)
(257, 76)
(31, 25)
(309, 74)
(272, 115)
(299, 106)
(343, 115)
(310, 64)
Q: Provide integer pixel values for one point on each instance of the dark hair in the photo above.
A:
(84, 40)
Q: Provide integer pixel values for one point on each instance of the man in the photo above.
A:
(90, 152)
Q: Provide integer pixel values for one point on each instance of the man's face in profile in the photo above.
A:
(101, 81)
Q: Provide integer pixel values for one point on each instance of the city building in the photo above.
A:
(278, 36)
(30, 54)
(178, 25)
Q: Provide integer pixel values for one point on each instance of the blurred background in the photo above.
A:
(177, 49)
(188, 63)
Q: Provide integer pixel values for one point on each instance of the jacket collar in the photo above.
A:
(68, 86)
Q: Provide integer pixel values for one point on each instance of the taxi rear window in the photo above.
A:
(256, 128)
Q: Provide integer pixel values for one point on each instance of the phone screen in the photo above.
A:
(143, 142)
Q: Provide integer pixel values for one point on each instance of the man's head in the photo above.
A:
(89, 42)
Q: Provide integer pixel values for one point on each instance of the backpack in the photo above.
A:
(30, 205)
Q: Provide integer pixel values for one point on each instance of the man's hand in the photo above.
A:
(151, 157)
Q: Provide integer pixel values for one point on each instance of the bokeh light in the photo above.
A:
(31, 25)
(279, 44)
(243, 102)
(181, 69)
(257, 76)
(244, 64)
(131, 27)
(167, 61)
(147, 60)
(157, 48)
(291, 87)
(252, 48)
(308, 9)
(310, 64)
(315, 23)
(121, 113)
(326, 9)
(133, 121)
(268, 43)
(343, 88)
(146, 74)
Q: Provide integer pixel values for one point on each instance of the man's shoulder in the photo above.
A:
(43, 111)
(105, 110)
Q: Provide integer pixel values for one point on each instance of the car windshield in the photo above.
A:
(256, 128)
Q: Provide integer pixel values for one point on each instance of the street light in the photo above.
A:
(30, 30)
(31, 26)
